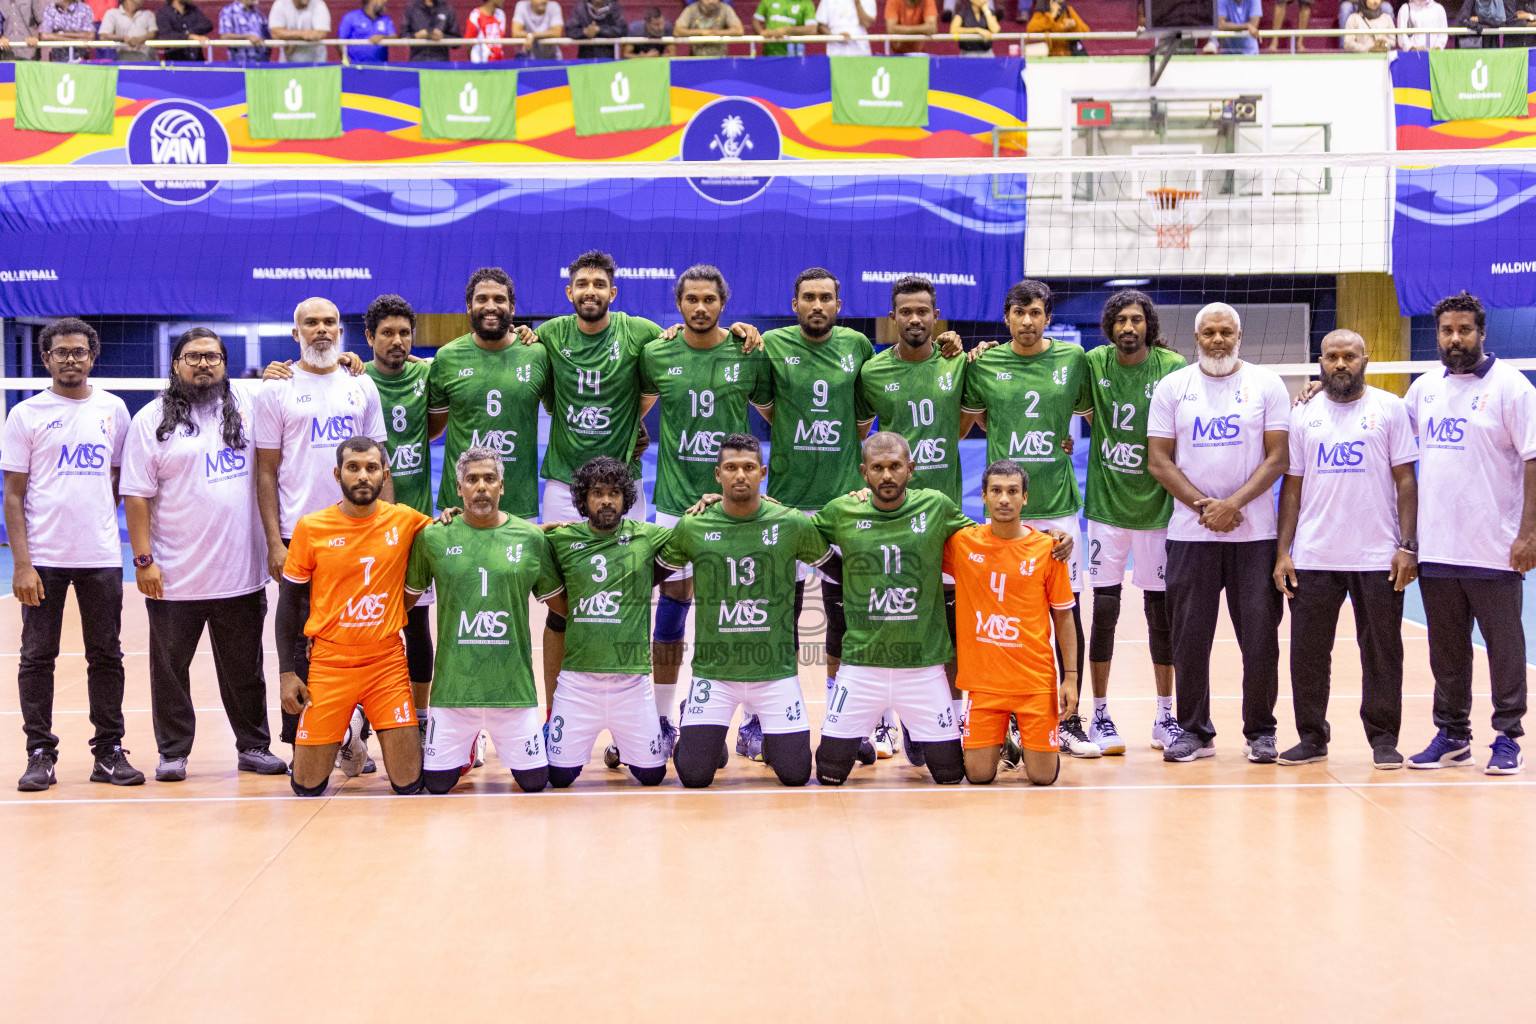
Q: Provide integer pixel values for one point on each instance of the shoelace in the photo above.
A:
(1171, 724)
(1103, 723)
(1073, 727)
(39, 759)
(884, 733)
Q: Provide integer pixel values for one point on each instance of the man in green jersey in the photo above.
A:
(484, 566)
(607, 563)
(1128, 510)
(1024, 394)
(778, 19)
(743, 552)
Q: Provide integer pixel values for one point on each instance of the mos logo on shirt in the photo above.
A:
(752, 611)
(483, 625)
(604, 603)
(1122, 455)
(332, 429)
(588, 417)
(819, 432)
(82, 456)
(1218, 428)
(1445, 429)
(703, 443)
(893, 601)
(1341, 455)
(928, 450)
(996, 627)
(502, 442)
(1034, 443)
(367, 608)
(223, 462)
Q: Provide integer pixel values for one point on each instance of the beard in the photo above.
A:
(490, 325)
(1462, 360)
(606, 518)
(1221, 366)
(362, 493)
(1343, 387)
(592, 316)
(321, 358)
(197, 395)
(1129, 344)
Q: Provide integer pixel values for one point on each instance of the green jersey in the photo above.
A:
(594, 392)
(744, 585)
(921, 402)
(404, 398)
(704, 396)
(484, 579)
(1029, 401)
(1120, 490)
(814, 453)
(608, 579)
(492, 400)
(893, 577)
(784, 14)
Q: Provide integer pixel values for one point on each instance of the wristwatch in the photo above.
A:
(143, 561)
(1410, 546)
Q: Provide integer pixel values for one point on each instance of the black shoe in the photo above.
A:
(1306, 752)
(866, 751)
(725, 757)
(915, 756)
(39, 774)
(113, 767)
(1386, 757)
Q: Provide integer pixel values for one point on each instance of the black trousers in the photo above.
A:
(301, 666)
(1378, 608)
(1198, 571)
(1450, 606)
(99, 593)
(235, 627)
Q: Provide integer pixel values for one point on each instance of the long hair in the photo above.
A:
(176, 399)
(1131, 297)
(604, 471)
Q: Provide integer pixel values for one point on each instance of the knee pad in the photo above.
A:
(562, 777)
(671, 617)
(410, 788)
(418, 644)
(531, 780)
(440, 782)
(697, 756)
(308, 790)
(949, 613)
(1106, 614)
(946, 761)
(837, 622)
(555, 623)
(649, 776)
(834, 760)
(799, 607)
(789, 755)
(1159, 635)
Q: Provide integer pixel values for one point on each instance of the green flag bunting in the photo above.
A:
(468, 104)
(621, 97)
(1474, 84)
(881, 92)
(293, 103)
(67, 98)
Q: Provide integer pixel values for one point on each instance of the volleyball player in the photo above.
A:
(342, 592)
(1127, 509)
(484, 566)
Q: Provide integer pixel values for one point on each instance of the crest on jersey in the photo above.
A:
(1059, 376)
(947, 381)
(1370, 421)
(1150, 385)
(1027, 567)
(733, 374)
(419, 388)
(920, 523)
(1480, 402)
(771, 535)
(846, 362)
(392, 536)
(514, 552)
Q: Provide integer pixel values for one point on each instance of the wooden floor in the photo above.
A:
(1132, 891)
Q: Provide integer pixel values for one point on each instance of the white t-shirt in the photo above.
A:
(1475, 435)
(1218, 426)
(287, 14)
(1344, 453)
(307, 417)
(523, 14)
(204, 527)
(68, 446)
(842, 16)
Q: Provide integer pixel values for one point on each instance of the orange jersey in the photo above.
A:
(355, 569)
(1004, 591)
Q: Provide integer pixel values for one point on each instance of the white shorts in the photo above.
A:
(1075, 560)
(776, 702)
(586, 703)
(452, 732)
(557, 506)
(1109, 546)
(668, 519)
(919, 695)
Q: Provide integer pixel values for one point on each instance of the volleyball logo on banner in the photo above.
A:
(178, 135)
(732, 131)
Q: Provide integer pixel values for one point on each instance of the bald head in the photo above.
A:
(1343, 338)
(317, 329)
(1341, 363)
(887, 467)
(882, 442)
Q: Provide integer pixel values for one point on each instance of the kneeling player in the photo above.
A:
(607, 565)
(347, 562)
(1004, 579)
(485, 564)
(743, 552)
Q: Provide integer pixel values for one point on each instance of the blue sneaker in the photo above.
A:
(1506, 759)
(1444, 752)
(749, 739)
(915, 756)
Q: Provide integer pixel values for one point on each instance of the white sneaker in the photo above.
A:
(1165, 731)
(885, 740)
(353, 754)
(1076, 742)
(1102, 731)
(480, 749)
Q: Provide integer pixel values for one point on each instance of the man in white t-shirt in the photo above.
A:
(308, 20)
(1476, 422)
(850, 19)
(60, 454)
(189, 488)
(1348, 525)
(299, 422)
(533, 20)
(1216, 440)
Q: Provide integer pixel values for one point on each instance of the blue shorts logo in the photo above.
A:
(733, 131)
(180, 136)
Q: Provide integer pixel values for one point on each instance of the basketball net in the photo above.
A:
(1171, 217)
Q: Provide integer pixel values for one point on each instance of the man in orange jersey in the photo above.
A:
(348, 563)
(1005, 578)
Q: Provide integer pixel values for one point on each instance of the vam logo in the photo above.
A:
(588, 417)
(1344, 454)
(604, 603)
(405, 457)
(503, 442)
(1027, 567)
(819, 432)
(847, 363)
(331, 429)
(752, 611)
(703, 443)
(177, 134)
(66, 90)
(732, 374)
(1447, 429)
(1034, 444)
(82, 456)
(1218, 428)
(368, 608)
(893, 601)
(996, 627)
(222, 462)
(928, 451)
(484, 625)
(947, 381)
(392, 536)
(1123, 455)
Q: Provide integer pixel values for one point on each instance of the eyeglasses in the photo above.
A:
(201, 358)
(65, 355)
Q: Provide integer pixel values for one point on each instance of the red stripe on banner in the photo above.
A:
(360, 145)
(19, 145)
(1420, 137)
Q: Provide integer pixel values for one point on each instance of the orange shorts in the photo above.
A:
(986, 720)
(342, 676)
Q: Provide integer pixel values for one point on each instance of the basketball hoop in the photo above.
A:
(1170, 215)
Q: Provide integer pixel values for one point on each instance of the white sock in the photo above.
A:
(1165, 704)
(1099, 704)
(666, 702)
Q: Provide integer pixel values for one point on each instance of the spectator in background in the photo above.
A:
(130, 25)
(1478, 15)
(596, 19)
(242, 19)
(850, 19)
(655, 26)
(66, 21)
(1420, 14)
(19, 20)
(1056, 16)
(1374, 15)
(488, 21)
(911, 17)
(371, 23)
(533, 20)
(781, 18)
(1303, 15)
(1240, 16)
(708, 18)
(1524, 17)
(973, 27)
(307, 20)
(431, 19)
(179, 19)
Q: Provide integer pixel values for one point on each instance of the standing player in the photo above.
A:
(484, 566)
(607, 564)
(61, 453)
(1005, 580)
(342, 589)
(743, 552)
(1024, 394)
(1127, 509)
